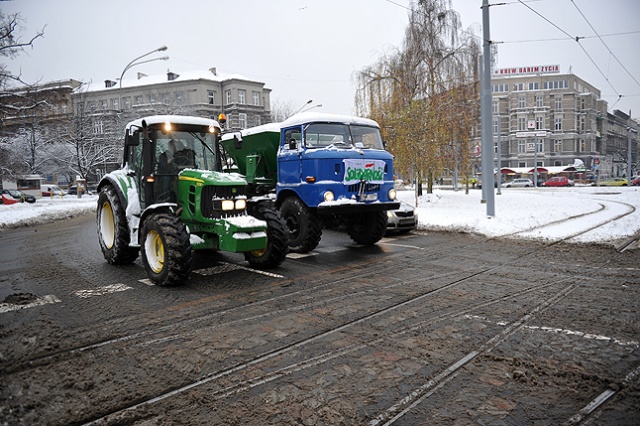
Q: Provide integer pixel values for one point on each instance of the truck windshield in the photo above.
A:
(325, 135)
(181, 150)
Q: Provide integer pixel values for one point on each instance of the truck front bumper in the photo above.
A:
(349, 208)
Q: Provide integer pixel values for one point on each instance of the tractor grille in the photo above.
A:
(212, 193)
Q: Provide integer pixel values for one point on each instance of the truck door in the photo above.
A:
(289, 157)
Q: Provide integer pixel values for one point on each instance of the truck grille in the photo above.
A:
(368, 187)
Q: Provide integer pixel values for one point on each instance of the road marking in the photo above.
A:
(228, 267)
(44, 300)
(101, 291)
(563, 331)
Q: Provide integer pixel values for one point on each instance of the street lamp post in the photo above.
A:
(137, 61)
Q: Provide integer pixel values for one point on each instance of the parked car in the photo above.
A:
(558, 181)
(614, 182)
(19, 195)
(402, 220)
(636, 181)
(519, 183)
(51, 190)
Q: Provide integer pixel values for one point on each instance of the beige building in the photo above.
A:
(546, 118)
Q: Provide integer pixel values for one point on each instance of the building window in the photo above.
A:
(582, 103)
(242, 96)
(98, 127)
(539, 123)
(115, 103)
(152, 98)
(522, 124)
(540, 145)
(103, 104)
(495, 148)
(137, 100)
(256, 98)
(518, 87)
(242, 118)
(522, 101)
(581, 123)
(522, 164)
(539, 101)
(180, 97)
(558, 102)
(127, 102)
(495, 127)
(558, 123)
(500, 88)
(581, 145)
(258, 120)
(557, 145)
(494, 106)
(165, 98)
(534, 86)
(211, 95)
(522, 146)
(228, 96)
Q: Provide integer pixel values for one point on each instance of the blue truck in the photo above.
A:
(317, 170)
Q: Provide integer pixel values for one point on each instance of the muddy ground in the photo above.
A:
(421, 329)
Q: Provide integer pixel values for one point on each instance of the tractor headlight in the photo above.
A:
(328, 196)
(241, 204)
(227, 205)
(392, 194)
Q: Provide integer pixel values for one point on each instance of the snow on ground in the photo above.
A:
(516, 210)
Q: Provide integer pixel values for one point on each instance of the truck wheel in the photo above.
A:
(367, 228)
(305, 229)
(113, 230)
(277, 240)
(166, 251)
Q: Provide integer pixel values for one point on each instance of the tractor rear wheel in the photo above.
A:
(305, 228)
(367, 228)
(166, 250)
(277, 240)
(113, 230)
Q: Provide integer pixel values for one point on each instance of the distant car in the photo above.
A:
(19, 195)
(614, 182)
(51, 190)
(558, 181)
(402, 220)
(519, 183)
(636, 181)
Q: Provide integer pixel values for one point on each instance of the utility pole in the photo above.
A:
(485, 114)
(629, 175)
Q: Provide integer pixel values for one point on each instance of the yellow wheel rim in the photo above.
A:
(107, 225)
(154, 249)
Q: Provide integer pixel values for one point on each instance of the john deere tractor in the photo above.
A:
(171, 197)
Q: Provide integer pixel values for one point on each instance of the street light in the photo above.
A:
(135, 62)
(304, 105)
(310, 108)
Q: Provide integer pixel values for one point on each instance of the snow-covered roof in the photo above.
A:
(311, 117)
(269, 127)
(184, 119)
(148, 80)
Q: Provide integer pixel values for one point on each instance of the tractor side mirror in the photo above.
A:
(293, 144)
(133, 139)
(237, 142)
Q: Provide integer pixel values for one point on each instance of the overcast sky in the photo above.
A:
(311, 49)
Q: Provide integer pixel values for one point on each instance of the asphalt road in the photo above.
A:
(429, 329)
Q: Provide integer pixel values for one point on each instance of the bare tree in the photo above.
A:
(280, 110)
(424, 94)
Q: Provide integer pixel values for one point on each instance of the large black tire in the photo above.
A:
(113, 230)
(277, 240)
(305, 228)
(166, 250)
(367, 228)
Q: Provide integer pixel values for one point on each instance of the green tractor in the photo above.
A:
(171, 197)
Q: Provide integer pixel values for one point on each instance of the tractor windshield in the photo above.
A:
(330, 135)
(180, 150)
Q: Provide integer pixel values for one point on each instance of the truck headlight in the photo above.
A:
(328, 196)
(392, 194)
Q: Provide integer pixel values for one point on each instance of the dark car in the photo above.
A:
(19, 195)
(402, 220)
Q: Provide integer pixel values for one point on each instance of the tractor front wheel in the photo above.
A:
(277, 240)
(166, 250)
